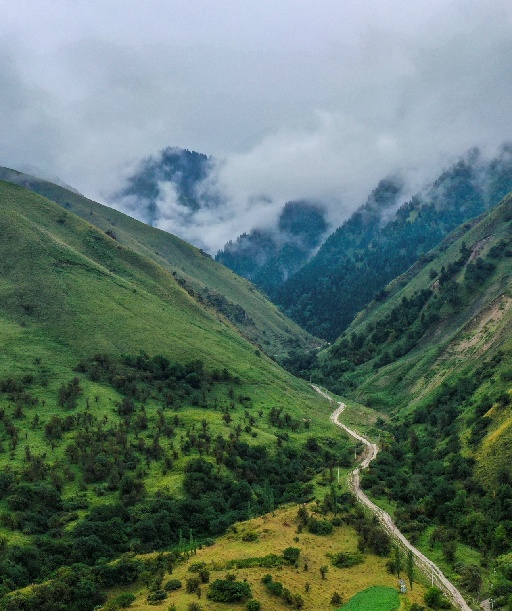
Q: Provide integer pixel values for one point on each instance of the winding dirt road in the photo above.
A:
(426, 566)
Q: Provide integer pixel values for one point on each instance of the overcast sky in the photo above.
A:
(316, 99)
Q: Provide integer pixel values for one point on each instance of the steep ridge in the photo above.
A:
(436, 355)
(383, 239)
(268, 257)
(207, 281)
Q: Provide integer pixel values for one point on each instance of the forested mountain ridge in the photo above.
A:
(206, 281)
(268, 257)
(435, 354)
(381, 240)
(133, 415)
(182, 169)
(176, 184)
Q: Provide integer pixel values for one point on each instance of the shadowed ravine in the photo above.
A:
(424, 564)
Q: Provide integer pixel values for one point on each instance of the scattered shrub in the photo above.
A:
(227, 591)
(320, 527)
(156, 597)
(204, 575)
(192, 584)
(291, 554)
(344, 560)
(250, 536)
(336, 599)
(172, 584)
(435, 599)
(124, 600)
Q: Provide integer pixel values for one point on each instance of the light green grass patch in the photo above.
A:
(377, 598)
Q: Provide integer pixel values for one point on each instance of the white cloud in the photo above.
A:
(298, 101)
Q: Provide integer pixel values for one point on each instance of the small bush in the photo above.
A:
(227, 591)
(336, 599)
(124, 600)
(250, 536)
(275, 587)
(435, 599)
(287, 596)
(156, 597)
(320, 527)
(172, 584)
(192, 584)
(344, 560)
(291, 554)
(204, 575)
(253, 605)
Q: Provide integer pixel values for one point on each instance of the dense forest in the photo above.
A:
(358, 260)
(268, 257)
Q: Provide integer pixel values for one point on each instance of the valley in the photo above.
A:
(256, 306)
(369, 454)
(142, 410)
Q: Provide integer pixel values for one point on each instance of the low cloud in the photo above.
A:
(323, 122)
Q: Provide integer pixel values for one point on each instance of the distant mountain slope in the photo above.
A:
(380, 242)
(268, 257)
(181, 169)
(430, 309)
(174, 188)
(208, 281)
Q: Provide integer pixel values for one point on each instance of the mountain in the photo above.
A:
(435, 357)
(207, 281)
(382, 239)
(133, 413)
(268, 257)
(179, 169)
(174, 187)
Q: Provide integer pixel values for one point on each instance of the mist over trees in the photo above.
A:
(383, 239)
(268, 257)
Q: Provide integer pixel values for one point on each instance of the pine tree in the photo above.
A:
(410, 567)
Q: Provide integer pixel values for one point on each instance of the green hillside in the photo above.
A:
(436, 356)
(133, 415)
(382, 239)
(206, 280)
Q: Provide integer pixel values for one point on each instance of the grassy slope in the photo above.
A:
(271, 330)
(463, 337)
(375, 598)
(276, 532)
(68, 291)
